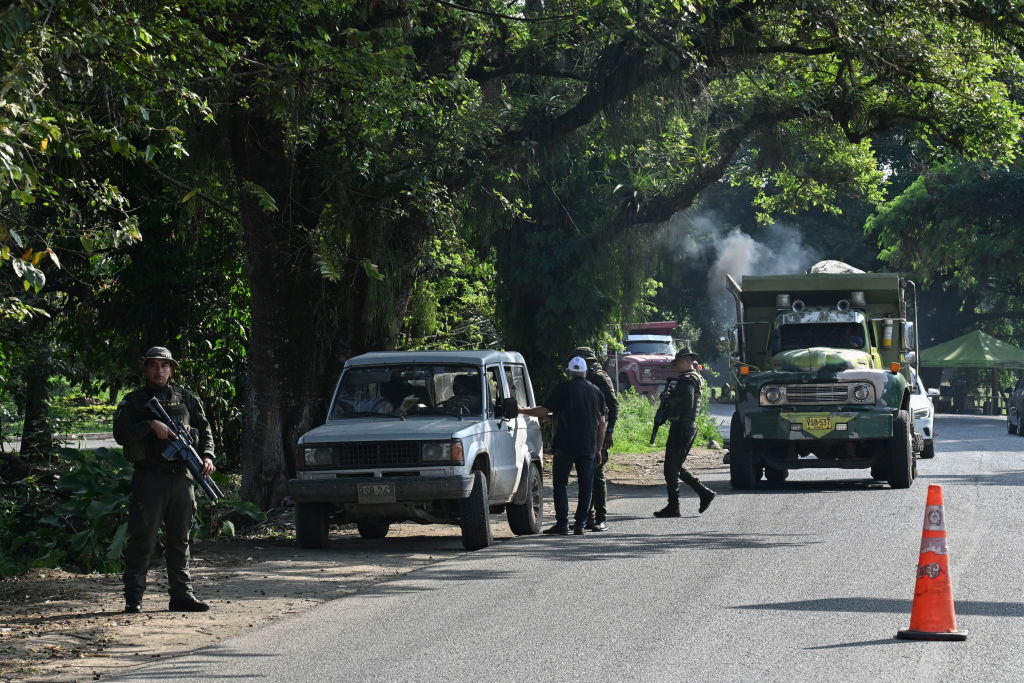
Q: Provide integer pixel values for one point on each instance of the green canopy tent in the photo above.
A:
(975, 350)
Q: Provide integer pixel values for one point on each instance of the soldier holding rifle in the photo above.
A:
(162, 490)
(680, 405)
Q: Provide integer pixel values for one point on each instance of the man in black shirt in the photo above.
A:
(578, 436)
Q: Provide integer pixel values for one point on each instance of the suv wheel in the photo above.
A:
(311, 525)
(476, 515)
(373, 528)
(526, 518)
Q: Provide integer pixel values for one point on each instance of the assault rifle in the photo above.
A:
(661, 416)
(183, 448)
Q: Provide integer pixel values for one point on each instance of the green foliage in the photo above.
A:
(636, 418)
(76, 513)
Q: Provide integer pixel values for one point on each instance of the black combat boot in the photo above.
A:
(670, 510)
(706, 496)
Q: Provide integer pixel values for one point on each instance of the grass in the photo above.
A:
(636, 417)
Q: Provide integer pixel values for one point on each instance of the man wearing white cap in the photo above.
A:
(578, 435)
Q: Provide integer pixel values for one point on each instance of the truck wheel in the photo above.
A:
(1010, 427)
(624, 383)
(311, 525)
(878, 472)
(373, 528)
(929, 449)
(526, 518)
(901, 453)
(742, 473)
(774, 475)
(476, 515)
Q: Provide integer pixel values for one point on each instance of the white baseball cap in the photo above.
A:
(577, 364)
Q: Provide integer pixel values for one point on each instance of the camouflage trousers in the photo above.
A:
(599, 496)
(160, 496)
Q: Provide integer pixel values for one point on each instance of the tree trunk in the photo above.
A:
(37, 431)
(292, 325)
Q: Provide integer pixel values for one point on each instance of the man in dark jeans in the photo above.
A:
(578, 436)
(600, 379)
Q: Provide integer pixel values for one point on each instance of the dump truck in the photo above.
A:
(646, 363)
(821, 364)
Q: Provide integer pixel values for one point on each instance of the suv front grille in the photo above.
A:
(817, 394)
(379, 454)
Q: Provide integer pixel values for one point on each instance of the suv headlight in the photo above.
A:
(318, 457)
(442, 451)
(921, 413)
(773, 394)
(861, 392)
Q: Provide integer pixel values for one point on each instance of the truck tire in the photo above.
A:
(901, 453)
(373, 528)
(624, 383)
(929, 449)
(311, 525)
(1010, 427)
(525, 519)
(476, 515)
(775, 476)
(741, 457)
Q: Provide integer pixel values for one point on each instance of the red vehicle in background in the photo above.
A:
(646, 363)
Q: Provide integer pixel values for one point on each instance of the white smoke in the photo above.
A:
(701, 237)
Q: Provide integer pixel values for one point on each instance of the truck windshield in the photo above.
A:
(652, 347)
(398, 390)
(807, 335)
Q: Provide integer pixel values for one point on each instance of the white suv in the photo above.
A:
(924, 413)
(424, 436)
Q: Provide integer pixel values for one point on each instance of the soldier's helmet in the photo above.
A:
(584, 352)
(159, 353)
(684, 352)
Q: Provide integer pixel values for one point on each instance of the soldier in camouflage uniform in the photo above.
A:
(162, 491)
(599, 378)
(684, 402)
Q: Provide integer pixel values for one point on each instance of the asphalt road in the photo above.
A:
(805, 582)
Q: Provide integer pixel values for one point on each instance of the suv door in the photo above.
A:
(527, 429)
(500, 438)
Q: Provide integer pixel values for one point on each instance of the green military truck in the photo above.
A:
(821, 363)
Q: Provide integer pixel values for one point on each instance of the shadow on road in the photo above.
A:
(879, 605)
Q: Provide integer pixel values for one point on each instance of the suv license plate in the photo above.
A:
(376, 493)
(817, 423)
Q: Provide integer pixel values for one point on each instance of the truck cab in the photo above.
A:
(821, 364)
(645, 365)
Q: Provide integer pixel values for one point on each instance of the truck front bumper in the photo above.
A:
(341, 490)
(818, 425)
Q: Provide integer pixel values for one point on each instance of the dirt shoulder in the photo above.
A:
(59, 626)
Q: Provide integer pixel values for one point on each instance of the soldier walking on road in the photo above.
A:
(162, 490)
(579, 407)
(683, 404)
(596, 520)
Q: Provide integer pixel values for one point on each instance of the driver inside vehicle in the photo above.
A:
(465, 395)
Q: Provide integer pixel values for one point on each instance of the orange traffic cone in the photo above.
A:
(932, 617)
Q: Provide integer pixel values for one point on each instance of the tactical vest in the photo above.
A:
(151, 448)
(676, 400)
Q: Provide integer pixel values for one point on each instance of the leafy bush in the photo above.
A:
(77, 514)
(636, 418)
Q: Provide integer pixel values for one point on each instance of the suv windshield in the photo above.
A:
(399, 390)
(653, 347)
(807, 335)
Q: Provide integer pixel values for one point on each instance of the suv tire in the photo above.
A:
(526, 518)
(476, 515)
(373, 528)
(311, 525)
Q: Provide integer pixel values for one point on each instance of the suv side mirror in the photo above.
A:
(509, 409)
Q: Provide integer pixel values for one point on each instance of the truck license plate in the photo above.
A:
(376, 493)
(817, 423)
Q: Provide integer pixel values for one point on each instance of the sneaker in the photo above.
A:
(558, 530)
(599, 526)
(589, 526)
(577, 529)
